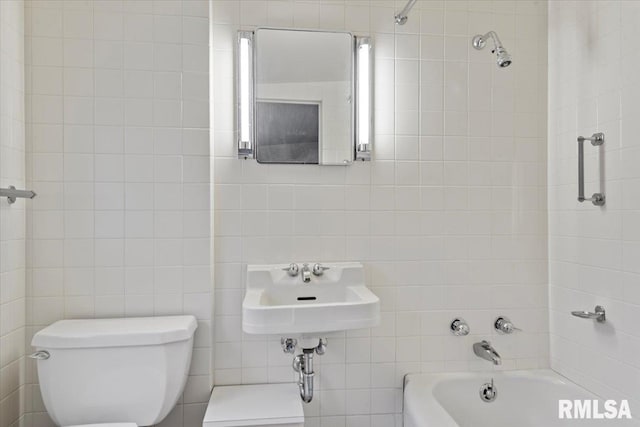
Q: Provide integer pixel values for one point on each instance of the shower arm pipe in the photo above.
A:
(496, 40)
(403, 15)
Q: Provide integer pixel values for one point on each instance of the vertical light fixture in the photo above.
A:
(244, 93)
(364, 97)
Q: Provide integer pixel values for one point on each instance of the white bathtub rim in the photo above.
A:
(428, 405)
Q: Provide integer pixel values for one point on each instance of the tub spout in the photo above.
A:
(484, 350)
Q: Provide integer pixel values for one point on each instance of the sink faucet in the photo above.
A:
(484, 351)
(306, 273)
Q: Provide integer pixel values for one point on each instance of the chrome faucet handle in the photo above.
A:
(322, 346)
(318, 269)
(598, 314)
(505, 326)
(292, 270)
(459, 327)
(288, 345)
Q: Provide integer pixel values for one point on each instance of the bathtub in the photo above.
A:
(524, 399)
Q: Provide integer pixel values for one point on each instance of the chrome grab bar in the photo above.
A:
(599, 314)
(11, 194)
(598, 199)
(40, 355)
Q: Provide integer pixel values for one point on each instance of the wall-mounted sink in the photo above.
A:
(279, 303)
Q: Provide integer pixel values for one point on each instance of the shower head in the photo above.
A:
(480, 41)
(504, 59)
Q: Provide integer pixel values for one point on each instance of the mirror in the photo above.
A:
(304, 94)
(296, 96)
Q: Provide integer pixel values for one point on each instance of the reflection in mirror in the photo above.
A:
(304, 97)
(289, 132)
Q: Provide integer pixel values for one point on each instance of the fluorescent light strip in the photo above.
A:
(244, 94)
(245, 63)
(363, 102)
(363, 94)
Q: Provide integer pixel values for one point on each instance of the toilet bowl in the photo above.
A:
(113, 372)
(256, 405)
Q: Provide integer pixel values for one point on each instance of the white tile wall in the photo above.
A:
(12, 217)
(118, 144)
(593, 252)
(449, 218)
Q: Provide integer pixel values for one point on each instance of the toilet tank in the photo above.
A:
(114, 370)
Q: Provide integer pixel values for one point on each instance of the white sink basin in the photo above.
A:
(338, 300)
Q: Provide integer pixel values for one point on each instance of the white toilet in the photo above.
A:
(113, 372)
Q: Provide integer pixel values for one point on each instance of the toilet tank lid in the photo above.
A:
(122, 332)
(254, 405)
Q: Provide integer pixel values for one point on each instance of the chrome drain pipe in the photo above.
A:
(303, 365)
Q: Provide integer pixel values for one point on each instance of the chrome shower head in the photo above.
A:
(480, 41)
(504, 59)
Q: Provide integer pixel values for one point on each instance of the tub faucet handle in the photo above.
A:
(459, 327)
(505, 326)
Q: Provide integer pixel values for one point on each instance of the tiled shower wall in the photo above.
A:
(12, 217)
(449, 218)
(594, 86)
(118, 152)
